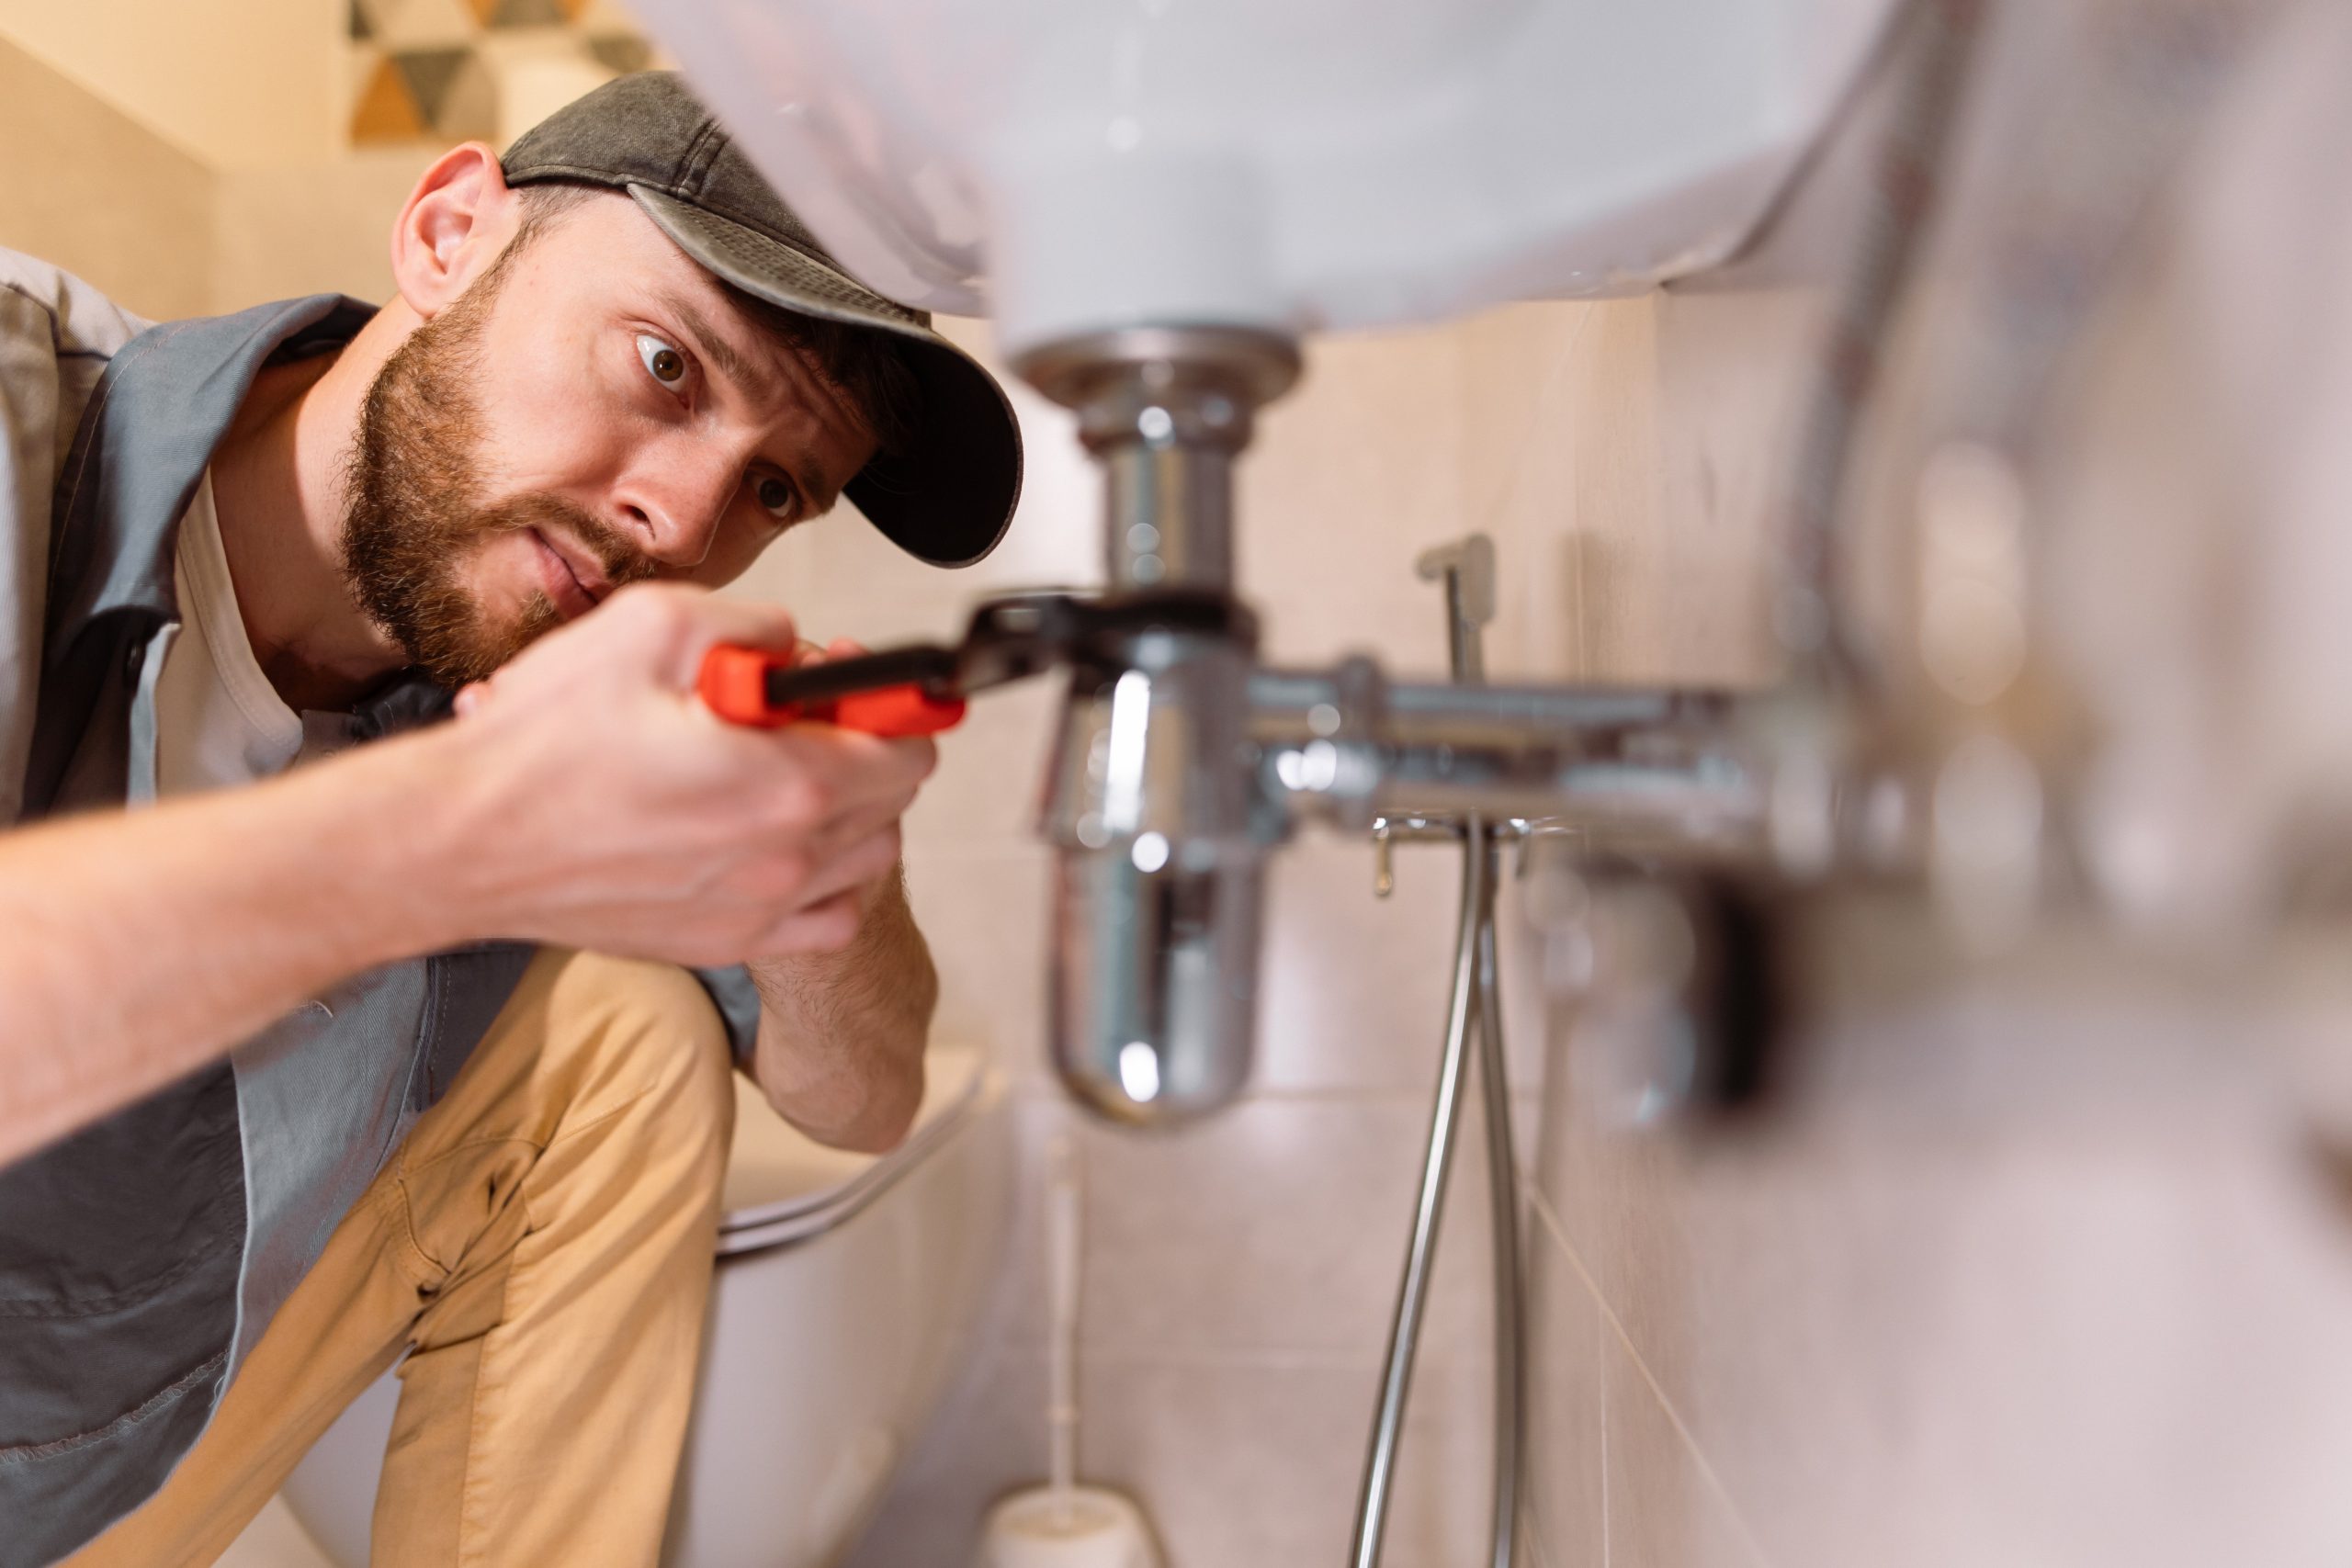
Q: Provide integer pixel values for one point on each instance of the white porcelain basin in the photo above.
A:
(1070, 165)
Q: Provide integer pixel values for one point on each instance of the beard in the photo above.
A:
(417, 507)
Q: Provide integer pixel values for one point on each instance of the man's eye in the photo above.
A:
(776, 496)
(664, 363)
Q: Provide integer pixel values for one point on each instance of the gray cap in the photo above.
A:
(947, 498)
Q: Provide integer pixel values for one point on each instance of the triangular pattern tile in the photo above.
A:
(624, 52)
(431, 69)
(528, 14)
(429, 74)
(386, 110)
(470, 107)
(359, 72)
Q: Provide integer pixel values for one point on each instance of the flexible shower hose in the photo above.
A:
(1475, 1008)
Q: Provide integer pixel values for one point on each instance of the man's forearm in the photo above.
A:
(841, 1034)
(142, 944)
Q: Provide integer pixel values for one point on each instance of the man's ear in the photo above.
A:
(453, 226)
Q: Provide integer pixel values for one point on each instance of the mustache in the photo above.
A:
(621, 562)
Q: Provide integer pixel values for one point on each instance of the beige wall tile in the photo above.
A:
(1512, 362)
(1441, 1512)
(1733, 374)
(1248, 1464)
(1637, 522)
(1355, 989)
(1018, 1318)
(1977, 1301)
(1605, 532)
(1278, 1226)
(991, 775)
(1352, 476)
(984, 910)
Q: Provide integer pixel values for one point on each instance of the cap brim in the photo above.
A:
(948, 498)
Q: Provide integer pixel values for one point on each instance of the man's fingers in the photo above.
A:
(856, 865)
(689, 620)
(858, 826)
(852, 770)
(826, 927)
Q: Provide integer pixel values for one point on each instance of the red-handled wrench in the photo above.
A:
(908, 691)
(920, 689)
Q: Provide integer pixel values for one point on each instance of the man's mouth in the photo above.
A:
(574, 583)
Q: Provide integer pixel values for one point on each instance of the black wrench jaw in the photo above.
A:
(924, 665)
(1013, 637)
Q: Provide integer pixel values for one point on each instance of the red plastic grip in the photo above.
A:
(733, 684)
(897, 711)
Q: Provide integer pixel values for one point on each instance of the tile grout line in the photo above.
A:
(1542, 1208)
(1552, 377)
(1489, 515)
(1241, 1358)
(1034, 1084)
(1599, 1348)
(1532, 1529)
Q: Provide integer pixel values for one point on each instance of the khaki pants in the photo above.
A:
(541, 1243)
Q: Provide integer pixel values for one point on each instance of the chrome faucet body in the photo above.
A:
(1152, 800)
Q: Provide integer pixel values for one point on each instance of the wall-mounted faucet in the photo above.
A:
(1180, 762)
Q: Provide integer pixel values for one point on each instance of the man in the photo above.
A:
(241, 1168)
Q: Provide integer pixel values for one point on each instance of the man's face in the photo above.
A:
(592, 411)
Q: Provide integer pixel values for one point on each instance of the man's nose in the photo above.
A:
(672, 514)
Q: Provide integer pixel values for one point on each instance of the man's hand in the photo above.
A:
(586, 797)
(598, 803)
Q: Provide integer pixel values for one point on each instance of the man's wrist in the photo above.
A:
(841, 1034)
(414, 868)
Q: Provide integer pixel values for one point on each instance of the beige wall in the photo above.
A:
(101, 195)
(168, 233)
(311, 228)
(234, 83)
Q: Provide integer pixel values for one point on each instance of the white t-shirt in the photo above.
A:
(219, 722)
